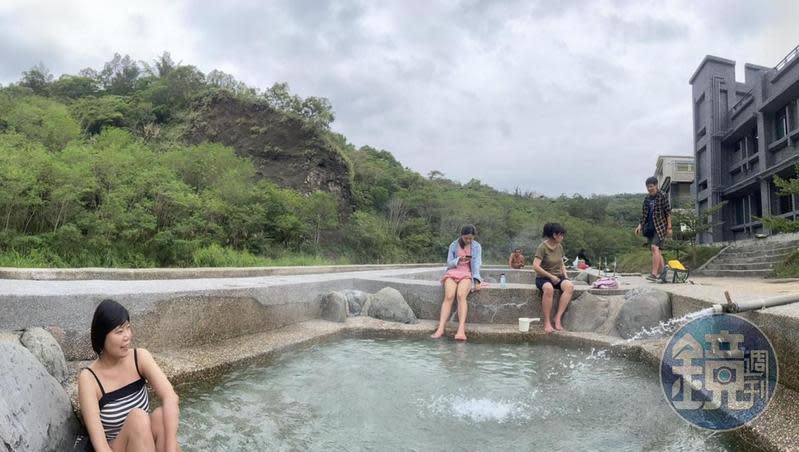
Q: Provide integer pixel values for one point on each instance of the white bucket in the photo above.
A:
(524, 323)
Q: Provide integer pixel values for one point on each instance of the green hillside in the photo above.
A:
(159, 164)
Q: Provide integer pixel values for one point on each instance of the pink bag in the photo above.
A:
(605, 283)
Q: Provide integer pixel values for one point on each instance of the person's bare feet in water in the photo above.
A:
(437, 334)
(460, 336)
(558, 326)
(548, 328)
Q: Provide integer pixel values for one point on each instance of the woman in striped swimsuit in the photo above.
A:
(113, 393)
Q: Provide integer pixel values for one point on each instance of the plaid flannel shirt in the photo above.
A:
(660, 215)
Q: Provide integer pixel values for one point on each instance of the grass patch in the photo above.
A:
(789, 267)
(218, 256)
(209, 256)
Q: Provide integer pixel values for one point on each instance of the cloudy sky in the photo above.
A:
(551, 97)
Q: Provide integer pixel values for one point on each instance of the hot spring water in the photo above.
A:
(363, 394)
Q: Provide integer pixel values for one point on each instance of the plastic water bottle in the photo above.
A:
(502, 280)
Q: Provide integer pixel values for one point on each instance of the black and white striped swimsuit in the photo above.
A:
(116, 405)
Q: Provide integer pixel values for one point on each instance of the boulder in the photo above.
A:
(644, 307)
(334, 307)
(356, 299)
(388, 304)
(586, 313)
(581, 277)
(45, 348)
(35, 412)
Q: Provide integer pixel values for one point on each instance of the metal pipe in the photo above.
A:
(751, 305)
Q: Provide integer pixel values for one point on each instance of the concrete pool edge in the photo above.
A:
(775, 430)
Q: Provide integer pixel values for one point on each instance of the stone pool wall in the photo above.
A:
(198, 326)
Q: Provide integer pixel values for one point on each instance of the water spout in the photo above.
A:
(734, 307)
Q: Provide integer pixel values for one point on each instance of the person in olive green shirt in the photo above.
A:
(550, 274)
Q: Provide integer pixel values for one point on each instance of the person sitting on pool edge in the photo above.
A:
(113, 394)
(550, 274)
(464, 259)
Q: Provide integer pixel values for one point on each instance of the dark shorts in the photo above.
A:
(654, 240)
(539, 283)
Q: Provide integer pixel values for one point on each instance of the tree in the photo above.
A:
(38, 79)
(43, 120)
(73, 87)
(320, 211)
(94, 114)
(316, 110)
(222, 80)
(689, 224)
(173, 91)
(161, 66)
(785, 187)
(119, 75)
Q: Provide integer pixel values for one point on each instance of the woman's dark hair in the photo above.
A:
(550, 229)
(652, 180)
(466, 230)
(108, 315)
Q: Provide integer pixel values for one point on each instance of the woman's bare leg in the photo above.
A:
(566, 292)
(450, 287)
(546, 305)
(136, 434)
(463, 307)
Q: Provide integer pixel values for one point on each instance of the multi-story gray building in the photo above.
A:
(744, 135)
(675, 175)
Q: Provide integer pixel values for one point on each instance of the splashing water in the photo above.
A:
(598, 354)
(480, 409)
(667, 327)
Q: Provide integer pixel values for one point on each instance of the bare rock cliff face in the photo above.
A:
(284, 149)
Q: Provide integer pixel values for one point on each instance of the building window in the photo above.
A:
(740, 149)
(685, 167)
(751, 143)
(739, 210)
(781, 123)
(700, 155)
(786, 204)
(757, 208)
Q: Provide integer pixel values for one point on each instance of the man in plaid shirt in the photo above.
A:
(655, 224)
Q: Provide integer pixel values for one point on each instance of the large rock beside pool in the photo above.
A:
(388, 304)
(35, 412)
(45, 348)
(334, 307)
(586, 313)
(644, 307)
(581, 277)
(356, 299)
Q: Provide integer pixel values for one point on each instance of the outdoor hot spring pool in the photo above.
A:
(420, 395)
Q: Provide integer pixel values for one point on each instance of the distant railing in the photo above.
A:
(791, 55)
(738, 105)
